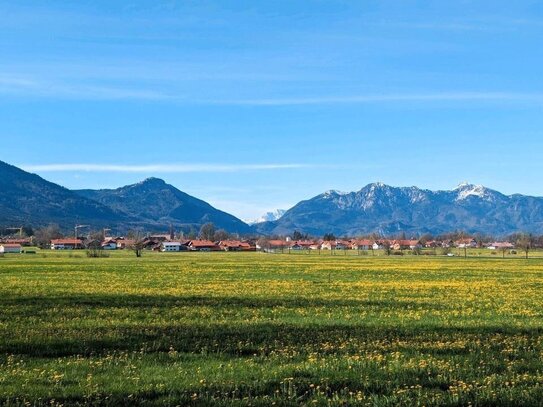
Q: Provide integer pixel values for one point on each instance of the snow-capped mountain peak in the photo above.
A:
(268, 217)
(465, 190)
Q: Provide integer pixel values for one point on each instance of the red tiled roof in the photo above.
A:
(11, 245)
(66, 241)
(201, 243)
(364, 242)
(230, 243)
(303, 243)
(505, 245)
(15, 241)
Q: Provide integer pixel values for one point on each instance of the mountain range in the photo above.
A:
(27, 199)
(390, 210)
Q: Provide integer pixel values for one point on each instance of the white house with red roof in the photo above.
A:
(66, 244)
(203, 246)
(10, 248)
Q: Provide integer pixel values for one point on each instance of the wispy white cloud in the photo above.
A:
(161, 168)
(376, 98)
(31, 87)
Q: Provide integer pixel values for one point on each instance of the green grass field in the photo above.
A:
(263, 329)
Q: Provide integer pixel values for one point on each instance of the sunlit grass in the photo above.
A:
(257, 329)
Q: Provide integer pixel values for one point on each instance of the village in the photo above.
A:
(169, 243)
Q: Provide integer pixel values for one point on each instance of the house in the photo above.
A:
(109, 244)
(248, 246)
(343, 245)
(363, 244)
(22, 242)
(230, 245)
(315, 246)
(466, 243)
(501, 246)
(337, 245)
(381, 244)
(328, 245)
(10, 248)
(406, 245)
(170, 246)
(66, 244)
(236, 246)
(124, 243)
(300, 245)
(295, 246)
(203, 246)
(277, 244)
(150, 244)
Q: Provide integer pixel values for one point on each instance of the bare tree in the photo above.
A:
(264, 244)
(387, 249)
(525, 243)
(221, 234)
(191, 235)
(137, 246)
(43, 236)
(207, 231)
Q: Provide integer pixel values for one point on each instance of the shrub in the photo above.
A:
(97, 253)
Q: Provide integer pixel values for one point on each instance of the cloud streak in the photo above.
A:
(29, 87)
(382, 98)
(161, 168)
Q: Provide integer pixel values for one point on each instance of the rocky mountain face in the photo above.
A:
(387, 210)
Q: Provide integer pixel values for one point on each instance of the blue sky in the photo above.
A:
(257, 105)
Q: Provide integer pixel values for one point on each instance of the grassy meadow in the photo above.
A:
(263, 329)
